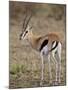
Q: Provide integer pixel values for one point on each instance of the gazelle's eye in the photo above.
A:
(26, 31)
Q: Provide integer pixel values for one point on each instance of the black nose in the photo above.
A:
(20, 36)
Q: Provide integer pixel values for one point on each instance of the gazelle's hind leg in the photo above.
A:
(59, 61)
(42, 69)
(50, 73)
(56, 64)
(56, 54)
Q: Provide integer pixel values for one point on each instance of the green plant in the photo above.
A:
(15, 69)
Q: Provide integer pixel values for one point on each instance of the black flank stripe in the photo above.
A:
(54, 46)
(45, 42)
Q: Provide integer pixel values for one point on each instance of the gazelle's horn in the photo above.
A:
(28, 21)
(24, 21)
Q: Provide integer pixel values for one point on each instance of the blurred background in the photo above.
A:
(24, 62)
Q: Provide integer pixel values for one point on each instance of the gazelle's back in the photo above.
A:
(45, 40)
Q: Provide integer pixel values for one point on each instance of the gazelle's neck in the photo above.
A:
(32, 39)
(30, 36)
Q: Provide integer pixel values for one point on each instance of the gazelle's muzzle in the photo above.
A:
(20, 36)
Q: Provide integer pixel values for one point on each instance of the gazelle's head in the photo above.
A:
(25, 34)
(26, 29)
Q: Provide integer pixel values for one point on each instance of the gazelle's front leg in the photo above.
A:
(42, 69)
(49, 63)
(59, 62)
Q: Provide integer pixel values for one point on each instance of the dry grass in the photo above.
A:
(25, 63)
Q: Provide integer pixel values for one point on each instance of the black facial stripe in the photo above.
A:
(54, 46)
(44, 43)
(21, 35)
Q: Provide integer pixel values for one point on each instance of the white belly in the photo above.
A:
(45, 50)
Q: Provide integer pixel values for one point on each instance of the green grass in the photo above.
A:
(22, 77)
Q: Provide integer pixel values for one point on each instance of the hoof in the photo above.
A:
(41, 83)
(55, 83)
(59, 81)
(50, 82)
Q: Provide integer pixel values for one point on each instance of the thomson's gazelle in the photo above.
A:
(48, 45)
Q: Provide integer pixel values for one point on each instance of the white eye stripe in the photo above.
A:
(25, 33)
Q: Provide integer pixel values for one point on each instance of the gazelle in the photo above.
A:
(48, 45)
